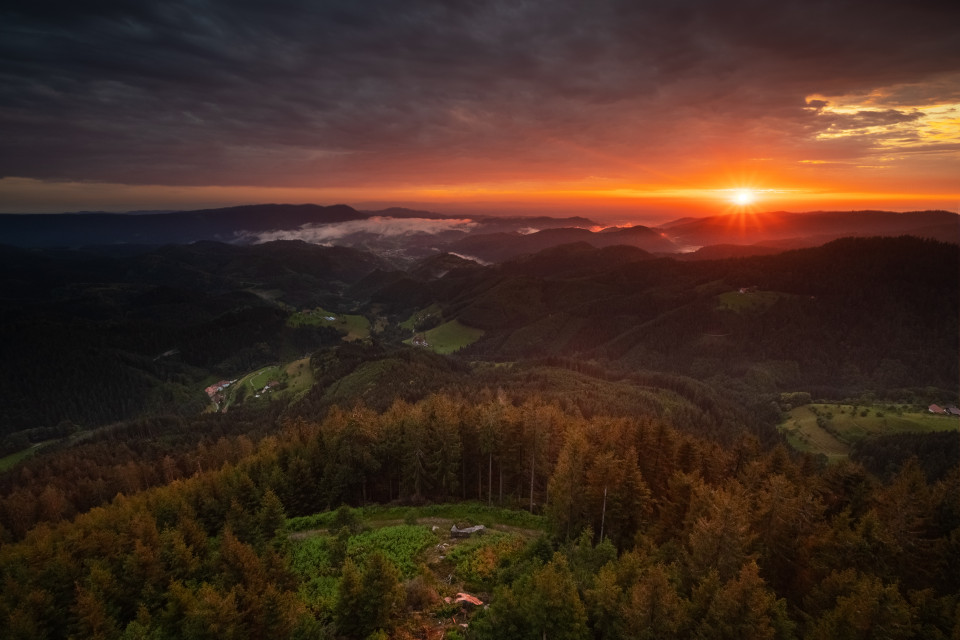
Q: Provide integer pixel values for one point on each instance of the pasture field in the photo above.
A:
(294, 378)
(299, 376)
(449, 337)
(258, 379)
(355, 326)
(10, 461)
(832, 429)
(411, 322)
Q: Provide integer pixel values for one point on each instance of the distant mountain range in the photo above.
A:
(182, 227)
(795, 230)
(406, 235)
(497, 247)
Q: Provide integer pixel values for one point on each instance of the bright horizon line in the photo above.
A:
(22, 195)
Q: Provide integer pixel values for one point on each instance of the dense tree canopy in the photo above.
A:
(654, 533)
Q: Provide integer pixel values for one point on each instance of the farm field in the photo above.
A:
(293, 379)
(832, 429)
(448, 337)
(356, 327)
(410, 323)
(299, 377)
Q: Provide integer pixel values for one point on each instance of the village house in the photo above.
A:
(217, 387)
(420, 340)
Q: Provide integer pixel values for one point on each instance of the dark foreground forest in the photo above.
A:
(649, 532)
(626, 495)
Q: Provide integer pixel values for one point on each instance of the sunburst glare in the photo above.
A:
(744, 197)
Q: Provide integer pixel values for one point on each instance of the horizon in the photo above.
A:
(742, 223)
(604, 218)
(619, 209)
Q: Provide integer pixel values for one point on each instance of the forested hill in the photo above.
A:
(815, 227)
(853, 315)
(644, 531)
(92, 338)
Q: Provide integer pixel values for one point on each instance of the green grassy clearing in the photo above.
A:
(411, 322)
(259, 379)
(319, 544)
(356, 327)
(476, 560)
(403, 544)
(294, 379)
(842, 425)
(804, 434)
(299, 377)
(473, 512)
(10, 461)
(449, 337)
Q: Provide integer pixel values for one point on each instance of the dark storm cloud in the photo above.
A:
(314, 93)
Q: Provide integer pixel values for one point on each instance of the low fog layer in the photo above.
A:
(378, 225)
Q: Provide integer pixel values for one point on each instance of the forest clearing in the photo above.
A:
(832, 429)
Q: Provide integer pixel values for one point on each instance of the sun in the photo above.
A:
(744, 197)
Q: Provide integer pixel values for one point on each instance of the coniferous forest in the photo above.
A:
(618, 421)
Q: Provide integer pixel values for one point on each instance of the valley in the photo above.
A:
(266, 436)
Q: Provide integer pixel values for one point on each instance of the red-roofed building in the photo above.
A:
(469, 599)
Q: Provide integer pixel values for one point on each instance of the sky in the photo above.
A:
(629, 107)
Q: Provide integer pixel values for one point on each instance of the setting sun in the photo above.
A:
(744, 197)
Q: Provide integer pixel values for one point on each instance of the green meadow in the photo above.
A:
(8, 462)
(294, 379)
(449, 337)
(356, 327)
(832, 429)
(410, 324)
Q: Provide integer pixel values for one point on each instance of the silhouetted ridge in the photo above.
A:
(81, 229)
(811, 229)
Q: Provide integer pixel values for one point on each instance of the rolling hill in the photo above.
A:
(812, 229)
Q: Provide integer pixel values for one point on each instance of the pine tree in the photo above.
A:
(381, 592)
(347, 611)
(270, 517)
